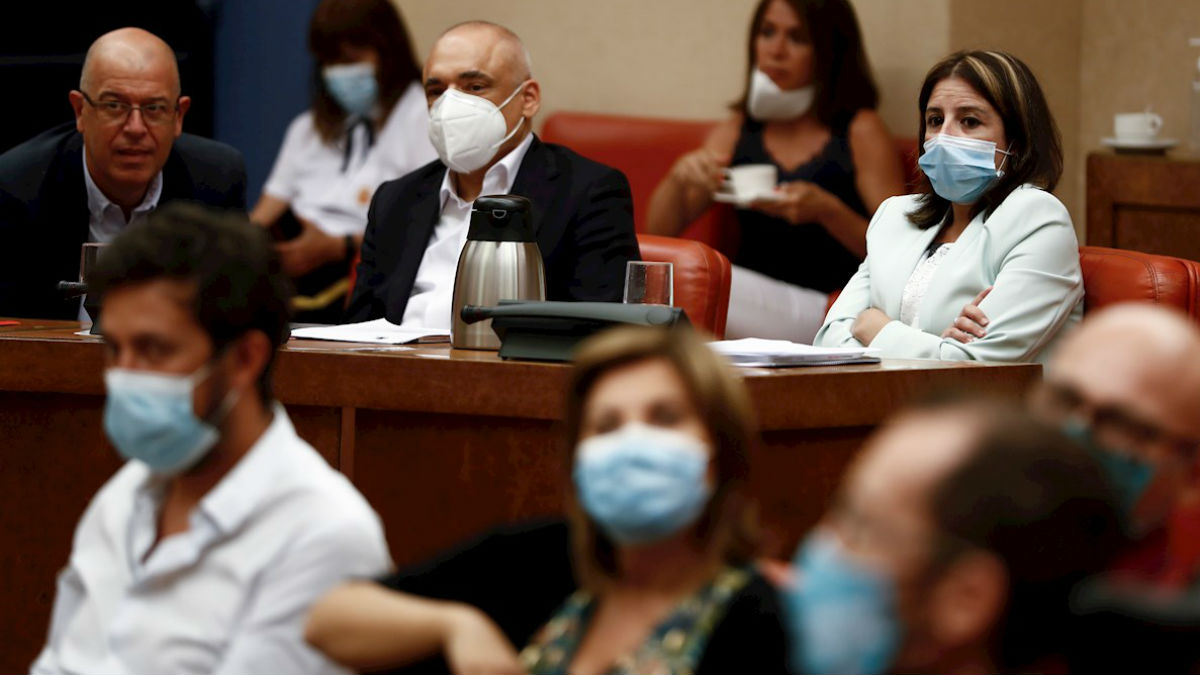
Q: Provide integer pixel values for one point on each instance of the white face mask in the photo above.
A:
(768, 102)
(467, 130)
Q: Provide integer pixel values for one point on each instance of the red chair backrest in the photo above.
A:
(1113, 275)
(642, 148)
(701, 278)
(645, 148)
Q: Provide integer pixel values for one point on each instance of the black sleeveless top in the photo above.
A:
(805, 255)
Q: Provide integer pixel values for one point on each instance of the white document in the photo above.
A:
(378, 332)
(759, 352)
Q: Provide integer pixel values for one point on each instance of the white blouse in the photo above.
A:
(308, 172)
(918, 285)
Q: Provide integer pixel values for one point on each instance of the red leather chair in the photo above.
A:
(645, 148)
(1113, 275)
(701, 277)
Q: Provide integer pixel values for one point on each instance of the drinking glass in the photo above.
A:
(87, 259)
(649, 283)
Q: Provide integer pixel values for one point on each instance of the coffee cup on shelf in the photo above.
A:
(1140, 126)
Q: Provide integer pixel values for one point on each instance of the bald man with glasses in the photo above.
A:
(123, 156)
(1126, 384)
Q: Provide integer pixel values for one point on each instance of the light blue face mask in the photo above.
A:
(960, 169)
(148, 417)
(1128, 474)
(353, 86)
(842, 614)
(642, 484)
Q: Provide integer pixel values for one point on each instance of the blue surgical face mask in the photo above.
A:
(148, 417)
(641, 484)
(842, 614)
(960, 169)
(1128, 474)
(353, 86)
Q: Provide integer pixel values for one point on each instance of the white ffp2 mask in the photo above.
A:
(466, 130)
(768, 102)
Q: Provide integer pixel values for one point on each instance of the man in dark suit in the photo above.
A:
(124, 155)
(482, 97)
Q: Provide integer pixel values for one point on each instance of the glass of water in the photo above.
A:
(649, 283)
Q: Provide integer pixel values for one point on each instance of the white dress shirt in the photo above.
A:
(433, 290)
(230, 595)
(106, 220)
(308, 171)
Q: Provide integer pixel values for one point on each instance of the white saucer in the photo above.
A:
(1139, 144)
(742, 202)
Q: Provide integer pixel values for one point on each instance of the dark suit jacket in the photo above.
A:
(44, 213)
(583, 212)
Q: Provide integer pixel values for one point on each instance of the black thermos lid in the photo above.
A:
(501, 218)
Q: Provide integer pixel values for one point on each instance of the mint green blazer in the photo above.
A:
(1026, 250)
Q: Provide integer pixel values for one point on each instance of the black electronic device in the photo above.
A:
(91, 303)
(549, 331)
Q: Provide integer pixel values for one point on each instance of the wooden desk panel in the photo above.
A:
(435, 478)
(54, 460)
(1144, 203)
(443, 444)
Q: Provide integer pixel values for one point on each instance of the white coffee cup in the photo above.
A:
(750, 180)
(1140, 126)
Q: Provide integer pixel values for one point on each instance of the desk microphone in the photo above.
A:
(72, 289)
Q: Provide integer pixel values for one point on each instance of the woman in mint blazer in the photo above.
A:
(983, 264)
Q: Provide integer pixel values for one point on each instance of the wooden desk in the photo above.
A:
(443, 444)
(1144, 203)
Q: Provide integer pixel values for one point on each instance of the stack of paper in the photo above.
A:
(378, 332)
(775, 353)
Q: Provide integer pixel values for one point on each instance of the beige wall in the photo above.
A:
(1050, 46)
(680, 58)
(686, 58)
(903, 40)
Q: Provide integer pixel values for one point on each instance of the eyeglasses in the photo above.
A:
(1115, 426)
(112, 111)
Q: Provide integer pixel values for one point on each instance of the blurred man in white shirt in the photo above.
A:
(204, 552)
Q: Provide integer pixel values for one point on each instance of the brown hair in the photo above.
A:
(726, 528)
(1041, 505)
(841, 72)
(238, 283)
(376, 24)
(1033, 139)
